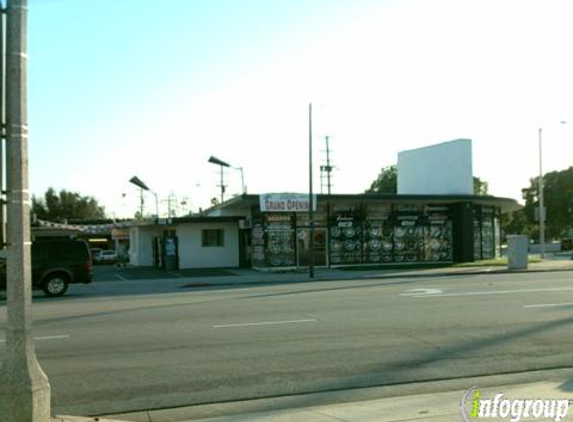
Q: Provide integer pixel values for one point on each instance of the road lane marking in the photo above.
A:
(250, 324)
(421, 292)
(64, 336)
(548, 305)
(497, 292)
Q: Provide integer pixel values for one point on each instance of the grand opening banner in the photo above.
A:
(286, 202)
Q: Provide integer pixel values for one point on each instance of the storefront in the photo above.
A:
(370, 228)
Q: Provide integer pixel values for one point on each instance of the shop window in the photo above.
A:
(279, 235)
(212, 237)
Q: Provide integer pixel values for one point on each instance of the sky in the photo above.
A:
(122, 88)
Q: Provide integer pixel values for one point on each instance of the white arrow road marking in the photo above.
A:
(421, 292)
(500, 292)
(250, 324)
(64, 336)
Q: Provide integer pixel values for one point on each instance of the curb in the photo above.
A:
(66, 418)
(372, 276)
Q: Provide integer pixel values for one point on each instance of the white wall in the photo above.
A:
(442, 169)
(133, 246)
(193, 255)
(141, 245)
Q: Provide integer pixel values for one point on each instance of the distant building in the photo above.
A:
(441, 169)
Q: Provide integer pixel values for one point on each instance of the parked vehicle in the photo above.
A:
(95, 252)
(55, 265)
(105, 257)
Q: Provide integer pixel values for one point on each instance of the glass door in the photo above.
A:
(303, 247)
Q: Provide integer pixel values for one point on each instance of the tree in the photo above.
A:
(558, 201)
(66, 206)
(387, 182)
(480, 187)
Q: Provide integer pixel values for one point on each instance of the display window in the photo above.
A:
(258, 244)
(378, 243)
(378, 240)
(279, 240)
(408, 240)
(346, 237)
(438, 242)
(487, 233)
(347, 234)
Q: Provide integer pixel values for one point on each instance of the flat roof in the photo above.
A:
(188, 219)
(506, 204)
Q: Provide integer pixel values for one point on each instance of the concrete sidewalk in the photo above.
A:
(438, 401)
(249, 276)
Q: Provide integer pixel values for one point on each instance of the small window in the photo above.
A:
(213, 237)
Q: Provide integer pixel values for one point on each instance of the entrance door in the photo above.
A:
(245, 248)
(157, 252)
(303, 247)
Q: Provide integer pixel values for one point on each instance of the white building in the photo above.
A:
(187, 242)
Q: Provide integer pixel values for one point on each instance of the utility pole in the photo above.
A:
(326, 169)
(24, 388)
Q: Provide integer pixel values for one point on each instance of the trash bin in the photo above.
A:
(517, 252)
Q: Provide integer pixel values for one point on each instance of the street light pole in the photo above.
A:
(140, 184)
(541, 202)
(221, 163)
(310, 198)
(141, 203)
(24, 388)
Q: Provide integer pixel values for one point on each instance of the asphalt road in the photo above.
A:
(117, 353)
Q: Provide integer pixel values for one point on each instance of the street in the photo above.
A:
(165, 347)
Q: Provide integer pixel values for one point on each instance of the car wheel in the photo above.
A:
(55, 285)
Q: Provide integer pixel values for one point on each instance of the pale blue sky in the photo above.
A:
(153, 88)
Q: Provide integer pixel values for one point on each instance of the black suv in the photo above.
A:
(56, 264)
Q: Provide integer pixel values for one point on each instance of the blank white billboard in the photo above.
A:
(442, 169)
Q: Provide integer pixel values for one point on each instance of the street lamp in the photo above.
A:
(139, 183)
(215, 160)
(541, 197)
